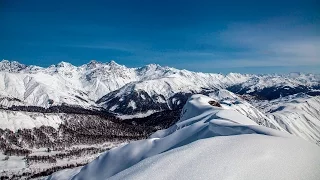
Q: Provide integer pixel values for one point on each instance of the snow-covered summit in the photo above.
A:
(208, 142)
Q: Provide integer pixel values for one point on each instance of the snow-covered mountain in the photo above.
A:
(208, 142)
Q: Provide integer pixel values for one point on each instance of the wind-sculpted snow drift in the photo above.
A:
(208, 142)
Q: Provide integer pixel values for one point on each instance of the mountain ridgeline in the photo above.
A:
(131, 90)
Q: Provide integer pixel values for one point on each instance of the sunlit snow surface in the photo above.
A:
(207, 143)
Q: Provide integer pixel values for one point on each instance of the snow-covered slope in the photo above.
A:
(41, 89)
(298, 114)
(208, 142)
(15, 120)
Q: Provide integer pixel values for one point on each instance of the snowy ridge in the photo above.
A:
(298, 114)
(210, 142)
(230, 100)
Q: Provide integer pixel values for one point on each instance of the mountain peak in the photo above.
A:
(94, 62)
(150, 67)
(153, 65)
(64, 64)
(4, 61)
(11, 66)
(112, 62)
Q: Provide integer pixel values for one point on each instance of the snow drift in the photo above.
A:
(207, 142)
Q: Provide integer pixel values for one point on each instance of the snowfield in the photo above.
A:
(207, 142)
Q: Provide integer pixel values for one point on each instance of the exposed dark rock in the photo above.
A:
(214, 103)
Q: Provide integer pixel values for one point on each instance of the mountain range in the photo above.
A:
(101, 84)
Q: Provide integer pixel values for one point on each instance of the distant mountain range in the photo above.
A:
(133, 90)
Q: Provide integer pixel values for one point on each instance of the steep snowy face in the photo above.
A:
(41, 89)
(98, 79)
(298, 114)
(154, 71)
(210, 141)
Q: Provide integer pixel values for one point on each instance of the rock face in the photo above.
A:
(214, 103)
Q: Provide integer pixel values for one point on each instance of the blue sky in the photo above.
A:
(209, 36)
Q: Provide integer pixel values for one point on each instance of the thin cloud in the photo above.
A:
(112, 46)
(273, 44)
